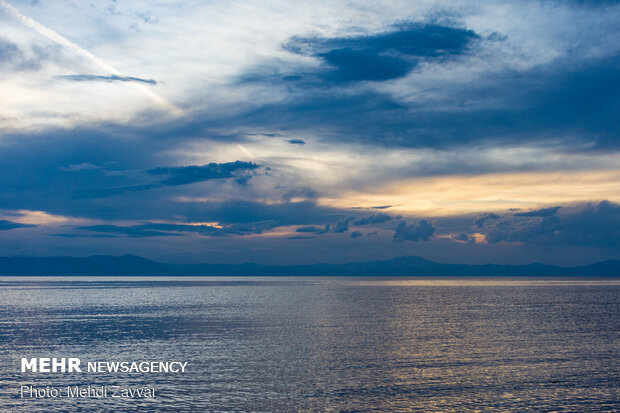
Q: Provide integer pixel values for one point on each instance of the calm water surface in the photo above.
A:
(321, 344)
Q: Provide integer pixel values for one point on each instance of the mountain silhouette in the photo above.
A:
(131, 265)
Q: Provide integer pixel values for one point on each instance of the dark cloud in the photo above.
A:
(356, 234)
(298, 192)
(538, 229)
(484, 218)
(296, 142)
(151, 229)
(176, 176)
(72, 235)
(112, 191)
(464, 237)
(594, 225)
(543, 212)
(135, 231)
(6, 225)
(313, 229)
(373, 219)
(245, 228)
(109, 78)
(423, 230)
(305, 213)
(51, 172)
(339, 227)
(47, 182)
(569, 103)
(381, 56)
(342, 225)
(412, 39)
(355, 65)
(183, 175)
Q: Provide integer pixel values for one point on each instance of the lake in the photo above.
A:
(319, 344)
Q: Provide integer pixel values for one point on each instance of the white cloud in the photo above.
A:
(196, 50)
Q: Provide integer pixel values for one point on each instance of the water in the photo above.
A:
(320, 344)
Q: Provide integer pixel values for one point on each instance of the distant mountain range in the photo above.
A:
(108, 265)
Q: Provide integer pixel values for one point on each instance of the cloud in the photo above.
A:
(72, 235)
(373, 219)
(298, 237)
(342, 225)
(313, 229)
(14, 57)
(381, 56)
(593, 225)
(85, 166)
(596, 225)
(463, 237)
(592, 3)
(112, 191)
(339, 227)
(543, 212)
(297, 192)
(135, 231)
(305, 213)
(484, 218)
(183, 175)
(296, 142)
(423, 230)
(176, 176)
(108, 78)
(9, 52)
(246, 228)
(529, 86)
(540, 229)
(564, 104)
(85, 54)
(6, 225)
(558, 91)
(353, 65)
(151, 229)
(356, 234)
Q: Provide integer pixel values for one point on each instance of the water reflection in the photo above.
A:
(322, 344)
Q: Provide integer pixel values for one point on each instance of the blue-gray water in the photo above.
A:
(321, 344)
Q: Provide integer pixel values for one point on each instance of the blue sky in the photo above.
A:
(280, 132)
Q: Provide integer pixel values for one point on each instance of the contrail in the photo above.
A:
(245, 151)
(63, 41)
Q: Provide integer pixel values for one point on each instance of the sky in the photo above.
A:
(283, 132)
